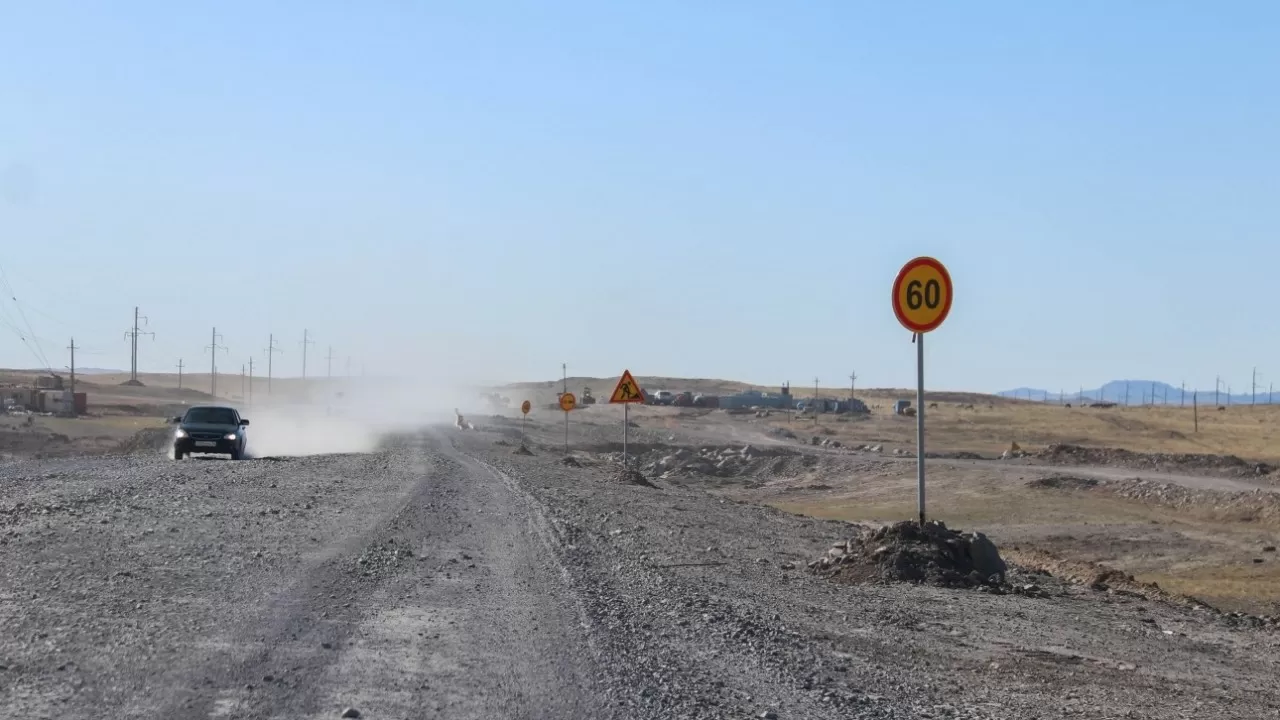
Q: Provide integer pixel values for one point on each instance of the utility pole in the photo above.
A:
(242, 381)
(250, 379)
(213, 347)
(1228, 396)
(1153, 394)
(270, 351)
(1254, 387)
(1182, 395)
(133, 337)
(328, 371)
(1126, 393)
(72, 348)
(853, 380)
(815, 401)
(305, 343)
(1217, 383)
(179, 373)
(564, 370)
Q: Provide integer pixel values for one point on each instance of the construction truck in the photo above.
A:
(587, 398)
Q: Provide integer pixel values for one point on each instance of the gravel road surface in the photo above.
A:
(444, 576)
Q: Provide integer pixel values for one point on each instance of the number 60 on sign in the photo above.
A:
(922, 295)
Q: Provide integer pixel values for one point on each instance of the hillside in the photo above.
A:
(1138, 392)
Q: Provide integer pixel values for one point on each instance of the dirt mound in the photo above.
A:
(1063, 482)
(908, 552)
(714, 461)
(145, 441)
(570, 462)
(1066, 454)
(522, 450)
(633, 477)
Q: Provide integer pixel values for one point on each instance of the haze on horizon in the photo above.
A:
(480, 192)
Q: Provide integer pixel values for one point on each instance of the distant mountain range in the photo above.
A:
(1137, 392)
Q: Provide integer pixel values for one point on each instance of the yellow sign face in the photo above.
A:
(922, 295)
(568, 402)
(628, 390)
(525, 407)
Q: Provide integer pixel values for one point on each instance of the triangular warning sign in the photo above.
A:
(628, 390)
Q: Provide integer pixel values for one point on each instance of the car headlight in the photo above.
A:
(231, 436)
(179, 433)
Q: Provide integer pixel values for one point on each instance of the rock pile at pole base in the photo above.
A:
(909, 552)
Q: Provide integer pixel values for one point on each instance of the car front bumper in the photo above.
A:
(221, 446)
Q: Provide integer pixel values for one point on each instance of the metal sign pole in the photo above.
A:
(920, 424)
(566, 432)
(626, 416)
(921, 300)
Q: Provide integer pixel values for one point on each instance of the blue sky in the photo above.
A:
(712, 189)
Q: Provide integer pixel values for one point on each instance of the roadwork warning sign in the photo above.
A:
(628, 390)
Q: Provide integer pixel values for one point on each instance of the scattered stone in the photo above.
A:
(571, 462)
(1269, 548)
(908, 552)
(351, 713)
(1067, 454)
(1063, 482)
(522, 450)
(633, 477)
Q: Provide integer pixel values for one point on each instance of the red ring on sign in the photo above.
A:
(897, 293)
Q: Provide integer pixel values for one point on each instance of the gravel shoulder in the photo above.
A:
(715, 593)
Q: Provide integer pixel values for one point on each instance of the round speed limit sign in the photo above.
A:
(922, 295)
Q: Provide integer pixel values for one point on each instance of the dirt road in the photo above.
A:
(1187, 480)
(444, 576)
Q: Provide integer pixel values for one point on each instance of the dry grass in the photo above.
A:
(1242, 587)
(1246, 431)
(1191, 551)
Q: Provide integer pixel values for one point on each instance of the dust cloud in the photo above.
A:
(351, 415)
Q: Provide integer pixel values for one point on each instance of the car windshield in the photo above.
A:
(213, 416)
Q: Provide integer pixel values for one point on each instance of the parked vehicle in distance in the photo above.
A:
(663, 397)
(214, 429)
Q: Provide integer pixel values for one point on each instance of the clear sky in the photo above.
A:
(712, 189)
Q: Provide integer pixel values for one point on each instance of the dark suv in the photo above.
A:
(210, 429)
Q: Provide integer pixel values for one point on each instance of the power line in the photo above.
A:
(37, 351)
(305, 343)
(213, 347)
(271, 350)
(132, 335)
